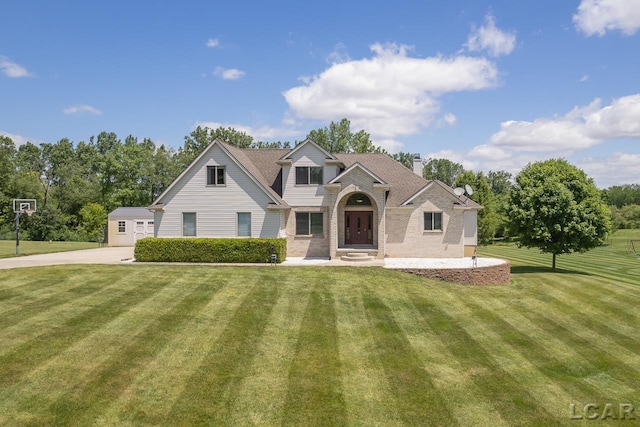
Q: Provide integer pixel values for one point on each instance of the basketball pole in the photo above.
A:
(17, 224)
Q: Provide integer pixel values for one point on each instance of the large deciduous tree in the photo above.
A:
(487, 217)
(338, 138)
(556, 207)
(443, 170)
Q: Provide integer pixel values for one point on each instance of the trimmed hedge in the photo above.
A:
(154, 249)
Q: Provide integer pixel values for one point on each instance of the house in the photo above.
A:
(126, 225)
(324, 204)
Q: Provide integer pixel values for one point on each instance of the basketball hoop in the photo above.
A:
(29, 212)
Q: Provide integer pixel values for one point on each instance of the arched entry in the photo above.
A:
(358, 220)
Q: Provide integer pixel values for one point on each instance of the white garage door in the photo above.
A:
(142, 228)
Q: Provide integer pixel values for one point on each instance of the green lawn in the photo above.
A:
(27, 247)
(178, 345)
(611, 260)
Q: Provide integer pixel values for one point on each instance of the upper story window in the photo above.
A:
(216, 175)
(308, 175)
(433, 221)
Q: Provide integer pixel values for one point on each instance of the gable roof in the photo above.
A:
(403, 181)
(239, 157)
(263, 167)
(462, 201)
(357, 165)
(307, 142)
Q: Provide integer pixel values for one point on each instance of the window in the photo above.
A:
(358, 199)
(433, 221)
(188, 223)
(308, 223)
(306, 175)
(122, 226)
(244, 224)
(215, 175)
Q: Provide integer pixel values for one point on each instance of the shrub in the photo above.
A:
(154, 249)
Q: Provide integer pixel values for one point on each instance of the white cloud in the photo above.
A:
(339, 54)
(491, 39)
(18, 140)
(213, 43)
(584, 78)
(600, 16)
(625, 165)
(390, 94)
(79, 109)
(228, 74)
(11, 69)
(580, 128)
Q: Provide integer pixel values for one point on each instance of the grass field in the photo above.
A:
(27, 247)
(175, 345)
(611, 260)
(320, 346)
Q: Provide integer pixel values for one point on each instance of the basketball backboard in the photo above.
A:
(24, 206)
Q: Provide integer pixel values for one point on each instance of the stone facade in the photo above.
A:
(492, 275)
(406, 236)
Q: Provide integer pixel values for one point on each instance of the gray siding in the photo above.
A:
(216, 207)
(305, 195)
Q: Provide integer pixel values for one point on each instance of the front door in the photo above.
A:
(358, 228)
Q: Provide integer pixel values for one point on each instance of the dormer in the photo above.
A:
(305, 169)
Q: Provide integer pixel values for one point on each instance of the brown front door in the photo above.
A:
(358, 228)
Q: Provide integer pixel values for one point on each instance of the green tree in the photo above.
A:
(201, 137)
(556, 207)
(443, 170)
(93, 217)
(488, 219)
(405, 158)
(338, 138)
(501, 183)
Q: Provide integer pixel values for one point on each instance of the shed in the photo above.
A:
(128, 224)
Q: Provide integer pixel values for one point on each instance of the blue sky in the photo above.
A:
(493, 85)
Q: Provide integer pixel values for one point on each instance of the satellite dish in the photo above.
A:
(469, 190)
(459, 191)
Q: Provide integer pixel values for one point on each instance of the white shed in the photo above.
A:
(127, 225)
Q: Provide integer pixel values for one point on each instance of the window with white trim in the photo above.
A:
(308, 175)
(433, 221)
(122, 226)
(244, 224)
(188, 224)
(216, 175)
(309, 223)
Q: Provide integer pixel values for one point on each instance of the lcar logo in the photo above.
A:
(606, 411)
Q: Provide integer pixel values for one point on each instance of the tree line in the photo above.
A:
(77, 184)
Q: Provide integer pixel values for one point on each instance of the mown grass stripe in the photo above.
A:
(602, 319)
(153, 392)
(508, 395)
(464, 400)
(315, 396)
(557, 371)
(33, 306)
(368, 396)
(263, 392)
(209, 393)
(44, 322)
(599, 360)
(107, 382)
(418, 401)
(30, 354)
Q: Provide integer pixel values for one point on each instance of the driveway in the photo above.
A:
(87, 256)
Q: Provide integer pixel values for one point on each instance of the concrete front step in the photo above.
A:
(357, 257)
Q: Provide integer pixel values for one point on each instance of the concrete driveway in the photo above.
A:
(86, 256)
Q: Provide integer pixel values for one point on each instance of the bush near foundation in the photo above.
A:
(210, 250)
